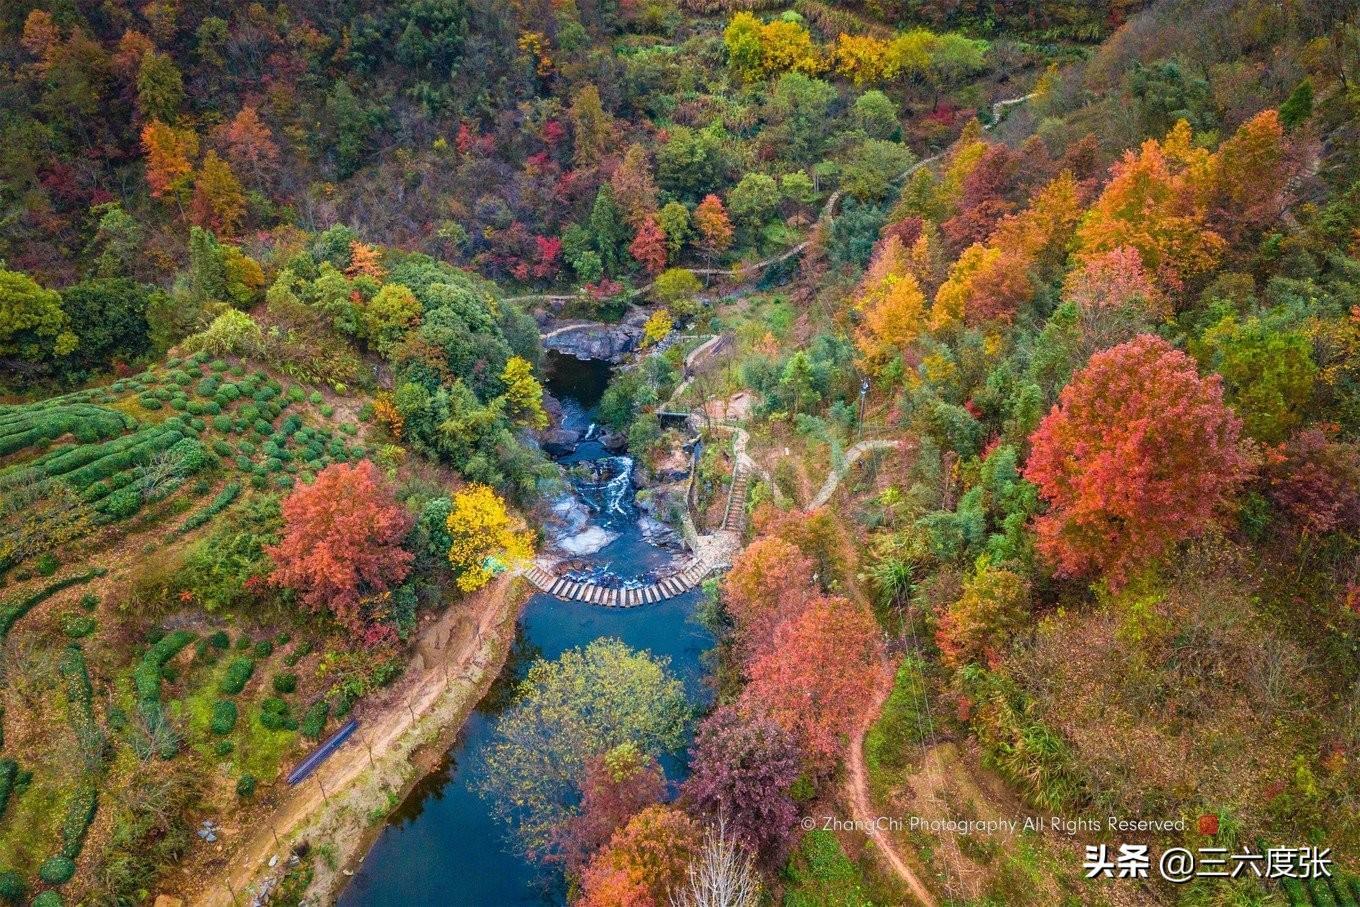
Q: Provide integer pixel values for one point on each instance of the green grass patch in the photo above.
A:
(894, 741)
(819, 874)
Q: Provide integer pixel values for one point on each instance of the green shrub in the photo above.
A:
(315, 398)
(274, 715)
(57, 871)
(245, 786)
(79, 816)
(220, 640)
(224, 748)
(10, 613)
(146, 679)
(89, 601)
(12, 887)
(9, 776)
(237, 676)
(190, 454)
(314, 722)
(121, 504)
(223, 717)
(218, 365)
(819, 872)
(219, 503)
(77, 626)
(285, 684)
(300, 651)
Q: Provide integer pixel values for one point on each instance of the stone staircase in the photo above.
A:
(734, 516)
(692, 575)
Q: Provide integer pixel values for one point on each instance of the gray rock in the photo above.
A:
(553, 407)
(559, 442)
(610, 342)
(614, 441)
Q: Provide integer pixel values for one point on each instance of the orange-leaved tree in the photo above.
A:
(341, 541)
(219, 202)
(815, 681)
(770, 582)
(649, 246)
(644, 861)
(1156, 202)
(1139, 452)
(715, 229)
(169, 157)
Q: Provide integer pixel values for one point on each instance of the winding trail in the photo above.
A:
(861, 805)
(833, 478)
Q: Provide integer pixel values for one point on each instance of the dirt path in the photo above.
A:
(857, 790)
(833, 478)
(455, 661)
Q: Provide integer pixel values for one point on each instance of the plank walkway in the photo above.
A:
(594, 594)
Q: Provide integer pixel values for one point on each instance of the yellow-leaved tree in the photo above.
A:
(485, 540)
(659, 324)
(523, 394)
(894, 317)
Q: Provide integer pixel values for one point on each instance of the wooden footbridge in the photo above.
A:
(593, 593)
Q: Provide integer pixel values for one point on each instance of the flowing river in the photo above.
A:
(442, 846)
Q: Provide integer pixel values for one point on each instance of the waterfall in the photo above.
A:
(616, 490)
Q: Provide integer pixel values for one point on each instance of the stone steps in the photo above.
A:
(734, 516)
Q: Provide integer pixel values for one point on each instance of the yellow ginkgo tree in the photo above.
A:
(485, 538)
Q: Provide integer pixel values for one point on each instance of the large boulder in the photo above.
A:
(608, 342)
(553, 407)
(558, 442)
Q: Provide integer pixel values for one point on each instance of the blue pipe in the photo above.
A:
(323, 752)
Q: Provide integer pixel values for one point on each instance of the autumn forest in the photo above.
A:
(680, 453)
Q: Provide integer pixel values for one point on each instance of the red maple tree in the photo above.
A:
(770, 581)
(341, 541)
(1139, 453)
(649, 246)
(814, 681)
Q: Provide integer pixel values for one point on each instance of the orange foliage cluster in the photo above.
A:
(805, 654)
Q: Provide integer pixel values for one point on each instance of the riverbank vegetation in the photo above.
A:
(268, 287)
